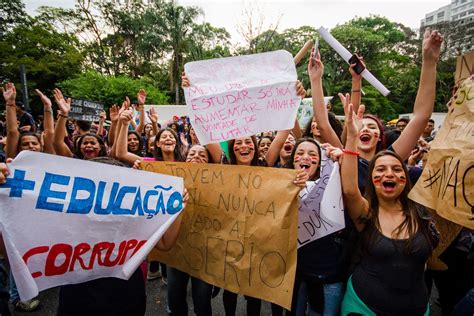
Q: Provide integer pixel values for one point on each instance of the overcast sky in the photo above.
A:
(295, 13)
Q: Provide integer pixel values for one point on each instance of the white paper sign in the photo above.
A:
(67, 221)
(321, 210)
(240, 96)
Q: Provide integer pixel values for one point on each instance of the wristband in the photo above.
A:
(350, 152)
(355, 91)
(62, 115)
(49, 111)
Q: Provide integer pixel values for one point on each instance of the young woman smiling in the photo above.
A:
(167, 146)
(395, 239)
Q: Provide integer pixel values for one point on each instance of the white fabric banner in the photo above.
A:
(321, 210)
(240, 96)
(67, 221)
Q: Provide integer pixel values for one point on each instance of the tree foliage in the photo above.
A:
(134, 42)
(110, 89)
(391, 52)
(48, 56)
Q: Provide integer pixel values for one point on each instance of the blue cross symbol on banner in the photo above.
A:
(18, 183)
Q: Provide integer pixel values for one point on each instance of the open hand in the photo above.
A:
(9, 93)
(44, 99)
(114, 113)
(153, 116)
(353, 120)
(141, 97)
(64, 105)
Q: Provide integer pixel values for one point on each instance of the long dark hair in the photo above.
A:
(209, 156)
(139, 151)
(158, 154)
(77, 149)
(333, 121)
(233, 159)
(412, 223)
(290, 164)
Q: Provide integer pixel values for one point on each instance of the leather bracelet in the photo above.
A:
(62, 115)
(355, 91)
(350, 152)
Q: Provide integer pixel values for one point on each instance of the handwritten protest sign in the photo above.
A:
(239, 230)
(72, 221)
(305, 110)
(240, 96)
(447, 182)
(464, 66)
(321, 210)
(85, 110)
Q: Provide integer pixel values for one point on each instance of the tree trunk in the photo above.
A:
(176, 87)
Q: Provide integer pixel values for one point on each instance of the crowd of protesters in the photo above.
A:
(375, 266)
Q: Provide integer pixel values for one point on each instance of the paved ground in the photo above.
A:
(156, 303)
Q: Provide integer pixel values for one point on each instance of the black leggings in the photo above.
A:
(230, 304)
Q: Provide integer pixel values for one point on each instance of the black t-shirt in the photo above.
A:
(105, 296)
(390, 278)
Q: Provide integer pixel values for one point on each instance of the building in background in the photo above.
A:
(456, 23)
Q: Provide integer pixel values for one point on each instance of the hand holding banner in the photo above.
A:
(321, 210)
(240, 96)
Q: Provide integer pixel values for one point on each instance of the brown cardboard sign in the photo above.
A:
(239, 230)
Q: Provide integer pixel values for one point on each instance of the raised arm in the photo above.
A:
(48, 123)
(273, 153)
(153, 116)
(425, 97)
(64, 106)
(356, 92)
(141, 97)
(13, 135)
(355, 204)
(100, 128)
(171, 235)
(315, 72)
(301, 92)
(121, 149)
(114, 117)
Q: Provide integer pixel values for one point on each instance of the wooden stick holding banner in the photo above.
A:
(306, 47)
(346, 55)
